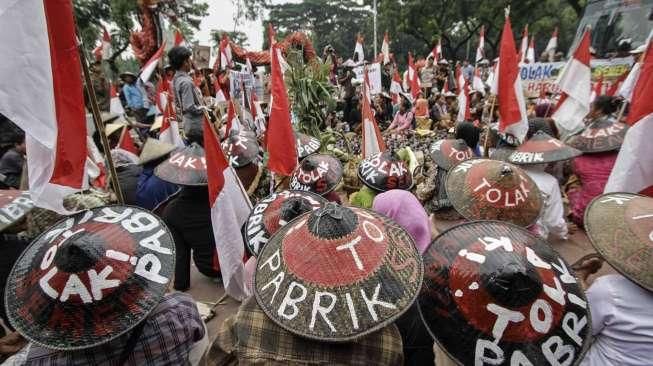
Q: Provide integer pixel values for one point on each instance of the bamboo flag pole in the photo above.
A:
(99, 125)
(486, 149)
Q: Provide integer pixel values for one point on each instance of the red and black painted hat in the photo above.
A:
(186, 167)
(604, 134)
(542, 148)
(14, 205)
(275, 211)
(385, 171)
(317, 173)
(447, 153)
(90, 278)
(338, 273)
(240, 149)
(620, 227)
(306, 145)
(495, 294)
(483, 189)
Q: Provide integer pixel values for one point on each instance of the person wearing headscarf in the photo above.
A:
(404, 208)
(128, 172)
(470, 134)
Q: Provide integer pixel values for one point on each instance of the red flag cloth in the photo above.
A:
(597, 89)
(512, 107)
(641, 105)
(179, 38)
(280, 136)
(372, 140)
(126, 142)
(231, 114)
(616, 84)
(151, 64)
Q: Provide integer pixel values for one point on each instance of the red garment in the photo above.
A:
(593, 171)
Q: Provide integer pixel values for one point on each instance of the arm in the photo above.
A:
(395, 122)
(554, 216)
(599, 298)
(405, 123)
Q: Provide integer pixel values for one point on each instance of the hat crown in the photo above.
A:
(293, 207)
(332, 221)
(511, 282)
(79, 253)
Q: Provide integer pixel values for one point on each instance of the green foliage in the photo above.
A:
(239, 38)
(310, 92)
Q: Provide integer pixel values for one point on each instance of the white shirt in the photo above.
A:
(551, 220)
(622, 323)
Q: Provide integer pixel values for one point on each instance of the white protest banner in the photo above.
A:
(374, 75)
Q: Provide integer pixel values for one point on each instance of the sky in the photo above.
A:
(221, 17)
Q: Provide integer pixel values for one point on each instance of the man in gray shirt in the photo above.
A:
(187, 97)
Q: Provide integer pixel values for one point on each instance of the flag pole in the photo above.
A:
(99, 125)
(486, 150)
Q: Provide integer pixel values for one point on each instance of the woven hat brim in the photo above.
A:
(335, 184)
(154, 149)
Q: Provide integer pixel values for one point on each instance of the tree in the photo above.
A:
(238, 37)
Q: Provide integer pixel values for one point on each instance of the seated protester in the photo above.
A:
(123, 317)
(600, 142)
(188, 215)
(422, 120)
(355, 115)
(403, 118)
(152, 190)
(128, 172)
(11, 164)
(470, 134)
(383, 109)
(620, 304)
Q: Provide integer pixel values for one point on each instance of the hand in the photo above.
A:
(587, 266)
(12, 343)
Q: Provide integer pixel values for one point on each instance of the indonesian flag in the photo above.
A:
(413, 78)
(150, 66)
(530, 53)
(126, 143)
(115, 105)
(106, 44)
(436, 52)
(633, 171)
(97, 53)
(257, 114)
(232, 119)
(42, 93)
(225, 52)
(97, 172)
(358, 50)
(372, 140)
(616, 84)
(163, 94)
(280, 137)
(512, 108)
(523, 48)
(169, 132)
(481, 45)
(395, 87)
(179, 38)
(576, 85)
(493, 81)
(230, 208)
(477, 82)
(626, 88)
(597, 89)
(385, 49)
(219, 94)
(552, 45)
(463, 97)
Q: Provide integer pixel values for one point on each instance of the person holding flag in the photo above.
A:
(186, 95)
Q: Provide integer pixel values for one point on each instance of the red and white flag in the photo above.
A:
(372, 140)
(225, 52)
(106, 44)
(219, 94)
(359, 56)
(169, 132)
(616, 84)
(463, 97)
(436, 52)
(385, 49)
(477, 82)
(512, 108)
(523, 48)
(233, 123)
(575, 82)
(115, 105)
(552, 45)
(597, 89)
(43, 94)
(151, 64)
(395, 87)
(97, 172)
(530, 53)
(126, 144)
(280, 138)
(413, 77)
(626, 88)
(633, 170)
(230, 208)
(179, 38)
(480, 50)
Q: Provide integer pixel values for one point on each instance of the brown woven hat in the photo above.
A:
(337, 273)
(385, 171)
(306, 145)
(154, 149)
(620, 226)
(186, 167)
(502, 153)
(240, 149)
(604, 134)
(275, 211)
(14, 205)
(542, 148)
(482, 189)
(90, 278)
(317, 173)
(111, 128)
(447, 153)
(495, 294)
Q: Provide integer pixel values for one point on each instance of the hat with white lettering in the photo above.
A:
(240, 149)
(306, 144)
(447, 153)
(186, 167)
(275, 211)
(154, 149)
(385, 171)
(619, 225)
(482, 189)
(604, 134)
(317, 173)
(90, 278)
(494, 294)
(14, 205)
(542, 148)
(338, 273)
